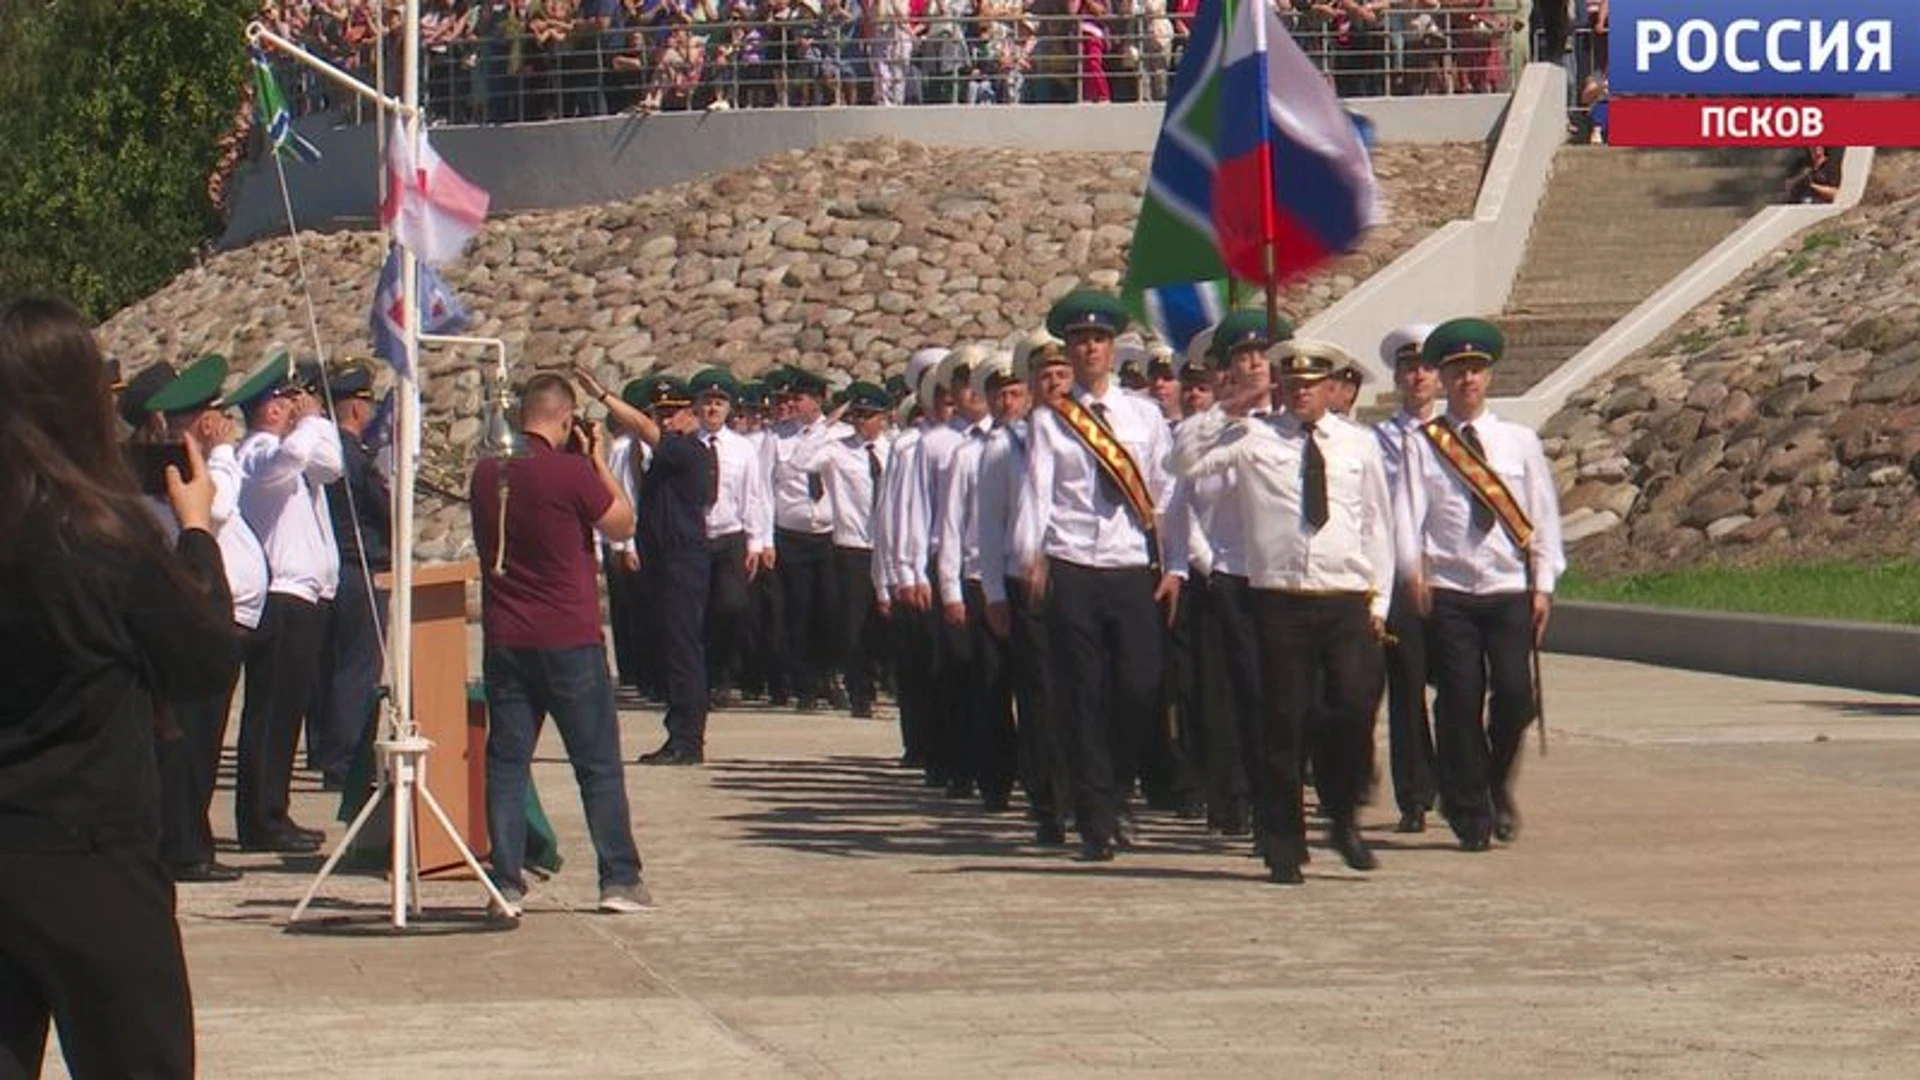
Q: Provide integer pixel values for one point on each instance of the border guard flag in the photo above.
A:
(440, 311)
(1258, 174)
(270, 108)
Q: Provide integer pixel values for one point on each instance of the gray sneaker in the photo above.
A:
(625, 899)
(515, 896)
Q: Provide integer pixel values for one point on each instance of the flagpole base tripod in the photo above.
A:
(403, 778)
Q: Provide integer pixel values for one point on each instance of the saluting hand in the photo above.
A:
(593, 387)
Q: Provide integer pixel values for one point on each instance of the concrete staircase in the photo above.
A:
(1617, 224)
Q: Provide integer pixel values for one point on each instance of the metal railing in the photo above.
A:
(793, 55)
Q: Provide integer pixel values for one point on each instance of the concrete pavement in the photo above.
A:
(1714, 878)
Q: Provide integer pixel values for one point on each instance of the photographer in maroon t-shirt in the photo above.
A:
(541, 618)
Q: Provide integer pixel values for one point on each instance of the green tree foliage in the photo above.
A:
(113, 112)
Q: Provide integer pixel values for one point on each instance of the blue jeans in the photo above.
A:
(524, 686)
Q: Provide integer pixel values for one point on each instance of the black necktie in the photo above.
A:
(1107, 483)
(815, 489)
(1313, 476)
(713, 463)
(873, 474)
(1482, 513)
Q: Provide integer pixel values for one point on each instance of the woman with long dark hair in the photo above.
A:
(102, 627)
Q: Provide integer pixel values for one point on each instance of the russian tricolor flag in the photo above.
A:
(1292, 183)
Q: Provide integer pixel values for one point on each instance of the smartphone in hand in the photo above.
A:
(149, 461)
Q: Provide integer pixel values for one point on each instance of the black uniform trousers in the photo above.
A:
(623, 604)
(1046, 769)
(1409, 728)
(762, 663)
(812, 618)
(283, 660)
(726, 608)
(1482, 650)
(1313, 649)
(677, 582)
(859, 624)
(1227, 693)
(1170, 755)
(349, 677)
(1106, 653)
(991, 736)
(912, 635)
(88, 940)
(189, 767)
(950, 754)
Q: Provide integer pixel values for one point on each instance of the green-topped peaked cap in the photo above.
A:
(196, 387)
(778, 381)
(634, 392)
(802, 381)
(865, 397)
(714, 380)
(896, 386)
(1247, 329)
(754, 394)
(660, 392)
(270, 377)
(1087, 309)
(1464, 339)
(141, 388)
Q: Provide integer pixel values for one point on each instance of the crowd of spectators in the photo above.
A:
(498, 61)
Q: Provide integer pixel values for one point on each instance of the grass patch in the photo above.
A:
(1818, 240)
(1885, 592)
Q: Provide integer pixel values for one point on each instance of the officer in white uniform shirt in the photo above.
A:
(803, 543)
(1040, 360)
(189, 764)
(849, 455)
(1409, 727)
(1099, 564)
(984, 683)
(289, 456)
(1319, 555)
(739, 527)
(909, 601)
(1471, 483)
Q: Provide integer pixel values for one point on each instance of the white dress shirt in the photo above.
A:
(1079, 518)
(1434, 533)
(840, 459)
(1352, 552)
(620, 462)
(1394, 433)
(998, 491)
(958, 551)
(1218, 532)
(923, 498)
(901, 465)
(240, 553)
(742, 504)
(794, 507)
(283, 496)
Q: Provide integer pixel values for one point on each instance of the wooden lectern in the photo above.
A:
(457, 767)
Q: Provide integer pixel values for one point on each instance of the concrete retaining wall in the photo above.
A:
(1468, 266)
(1823, 652)
(558, 164)
(1693, 286)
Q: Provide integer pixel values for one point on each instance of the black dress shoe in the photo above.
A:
(1412, 821)
(1475, 839)
(1285, 873)
(208, 871)
(1049, 834)
(862, 710)
(1345, 839)
(994, 802)
(1506, 826)
(301, 830)
(959, 789)
(722, 700)
(284, 841)
(806, 705)
(1096, 851)
(667, 755)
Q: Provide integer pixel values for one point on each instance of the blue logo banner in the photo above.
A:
(1782, 48)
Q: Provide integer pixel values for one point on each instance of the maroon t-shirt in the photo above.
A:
(548, 598)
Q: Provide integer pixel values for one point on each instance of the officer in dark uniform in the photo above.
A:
(359, 503)
(674, 561)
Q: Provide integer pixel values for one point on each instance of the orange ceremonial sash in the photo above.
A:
(1485, 484)
(1115, 461)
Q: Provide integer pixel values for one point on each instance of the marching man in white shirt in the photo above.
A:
(850, 460)
(1478, 538)
(1046, 769)
(1097, 480)
(1319, 558)
(803, 541)
(1409, 727)
(291, 453)
(908, 603)
(739, 527)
